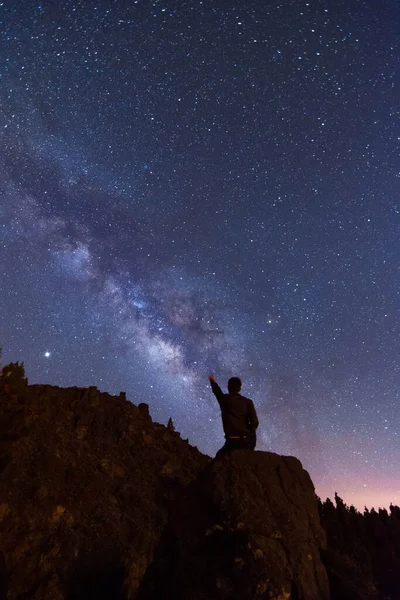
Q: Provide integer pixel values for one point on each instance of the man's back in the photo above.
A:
(239, 416)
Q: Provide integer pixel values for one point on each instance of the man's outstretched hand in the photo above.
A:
(211, 378)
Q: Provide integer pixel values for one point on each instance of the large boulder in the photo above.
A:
(247, 528)
(86, 481)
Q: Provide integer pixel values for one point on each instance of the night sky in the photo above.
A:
(203, 186)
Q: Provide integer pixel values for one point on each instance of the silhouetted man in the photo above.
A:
(239, 417)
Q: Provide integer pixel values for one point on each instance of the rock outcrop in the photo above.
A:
(97, 501)
(247, 527)
(86, 481)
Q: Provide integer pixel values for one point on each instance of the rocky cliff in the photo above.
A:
(86, 481)
(97, 501)
(246, 527)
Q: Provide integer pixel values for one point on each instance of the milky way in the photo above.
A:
(199, 187)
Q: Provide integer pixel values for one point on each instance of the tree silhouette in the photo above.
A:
(363, 549)
(13, 376)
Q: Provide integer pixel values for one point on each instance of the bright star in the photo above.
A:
(47, 354)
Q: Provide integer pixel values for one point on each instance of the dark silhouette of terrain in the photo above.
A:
(99, 502)
(363, 554)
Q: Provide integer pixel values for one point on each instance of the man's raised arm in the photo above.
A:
(218, 393)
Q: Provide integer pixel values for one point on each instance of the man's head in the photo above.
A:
(234, 385)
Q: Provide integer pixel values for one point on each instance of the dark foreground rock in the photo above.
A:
(97, 502)
(246, 528)
(86, 481)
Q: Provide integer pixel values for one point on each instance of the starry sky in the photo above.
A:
(197, 186)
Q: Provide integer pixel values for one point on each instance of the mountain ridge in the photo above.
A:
(98, 501)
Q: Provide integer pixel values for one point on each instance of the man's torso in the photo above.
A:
(235, 414)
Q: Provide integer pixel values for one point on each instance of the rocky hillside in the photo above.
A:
(98, 502)
(86, 481)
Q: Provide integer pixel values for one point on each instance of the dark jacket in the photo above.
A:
(239, 416)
